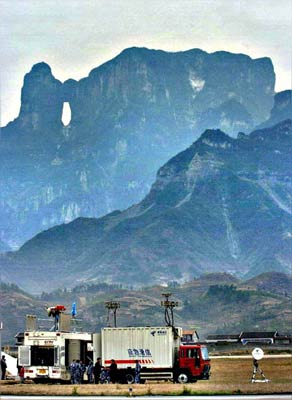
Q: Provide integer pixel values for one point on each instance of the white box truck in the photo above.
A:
(159, 350)
(47, 355)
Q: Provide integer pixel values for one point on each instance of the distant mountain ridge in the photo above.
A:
(129, 116)
(213, 303)
(223, 204)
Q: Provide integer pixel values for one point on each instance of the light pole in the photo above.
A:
(112, 305)
(169, 305)
(168, 308)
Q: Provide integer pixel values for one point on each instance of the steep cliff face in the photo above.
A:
(224, 204)
(41, 99)
(281, 110)
(129, 116)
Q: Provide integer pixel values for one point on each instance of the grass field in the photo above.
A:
(229, 376)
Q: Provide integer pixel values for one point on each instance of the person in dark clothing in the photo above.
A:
(90, 372)
(3, 368)
(72, 371)
(78, 373)
(82, 369)
(97, 370)
(105, 376)
(113, 371)
(137, 371)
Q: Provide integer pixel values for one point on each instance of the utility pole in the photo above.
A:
(168, 312)
(112, 306)
(168, 309)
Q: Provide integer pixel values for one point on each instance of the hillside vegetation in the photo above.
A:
(215, 303)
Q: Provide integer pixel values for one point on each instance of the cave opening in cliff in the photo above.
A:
(66, 113)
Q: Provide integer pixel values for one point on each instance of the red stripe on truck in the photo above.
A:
(120, 361)
(128, 361)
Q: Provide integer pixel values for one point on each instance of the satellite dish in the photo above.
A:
(257, 353)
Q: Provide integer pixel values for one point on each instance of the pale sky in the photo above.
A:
(75, 36)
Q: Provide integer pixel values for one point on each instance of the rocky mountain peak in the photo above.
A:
(41, 99)
(41, 68)
(282, 104)
(216, 138)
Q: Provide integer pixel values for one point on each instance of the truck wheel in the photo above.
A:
(183, 378)
(130, 378)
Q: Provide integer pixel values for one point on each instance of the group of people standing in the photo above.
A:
(103, 374)
(97, 373)
(77, 371)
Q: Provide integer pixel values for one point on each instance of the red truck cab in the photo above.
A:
(193, 363)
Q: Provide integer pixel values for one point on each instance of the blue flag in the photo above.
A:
(74, 310)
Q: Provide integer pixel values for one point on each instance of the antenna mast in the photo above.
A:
(112, 306)
(168, 309)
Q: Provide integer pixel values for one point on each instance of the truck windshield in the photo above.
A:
(205, 354)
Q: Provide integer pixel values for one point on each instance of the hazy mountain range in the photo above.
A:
(223, 204)
(129, 117)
